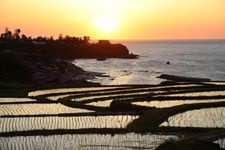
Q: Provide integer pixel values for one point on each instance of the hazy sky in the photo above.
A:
(116, 19)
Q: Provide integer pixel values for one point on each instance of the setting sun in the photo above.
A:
(106, 24)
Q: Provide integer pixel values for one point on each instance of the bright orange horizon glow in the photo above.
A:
(116, 19)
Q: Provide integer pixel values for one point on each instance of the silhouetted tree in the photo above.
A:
(86, 39)
(60, 37)
(16, 35)
(7, 35)
(24, 37)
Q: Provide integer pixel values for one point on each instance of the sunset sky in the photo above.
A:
(116, 19)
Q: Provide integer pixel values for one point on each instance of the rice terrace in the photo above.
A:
(120, 116)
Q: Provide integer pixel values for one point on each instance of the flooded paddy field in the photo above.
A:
(210, 117)
(84, 142)
(112, 117)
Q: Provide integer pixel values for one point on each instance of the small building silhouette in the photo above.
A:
(104, 42)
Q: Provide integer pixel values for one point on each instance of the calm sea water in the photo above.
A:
(199, 58)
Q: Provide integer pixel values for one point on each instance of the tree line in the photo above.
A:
(18, 37)
(66, 47)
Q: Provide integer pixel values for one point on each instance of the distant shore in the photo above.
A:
(45, 60)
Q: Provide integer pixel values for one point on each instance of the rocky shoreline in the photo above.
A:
(59, 71)
(39, 69)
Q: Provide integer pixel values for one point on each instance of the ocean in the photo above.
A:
(191, 58)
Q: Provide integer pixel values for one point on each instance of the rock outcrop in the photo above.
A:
(28, 68)
(175, 78)
(59, 71)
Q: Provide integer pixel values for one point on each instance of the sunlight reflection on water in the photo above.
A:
(190, 58)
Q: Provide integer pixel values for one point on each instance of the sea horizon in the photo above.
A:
(160, 40)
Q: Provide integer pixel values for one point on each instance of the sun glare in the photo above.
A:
(106, 24)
